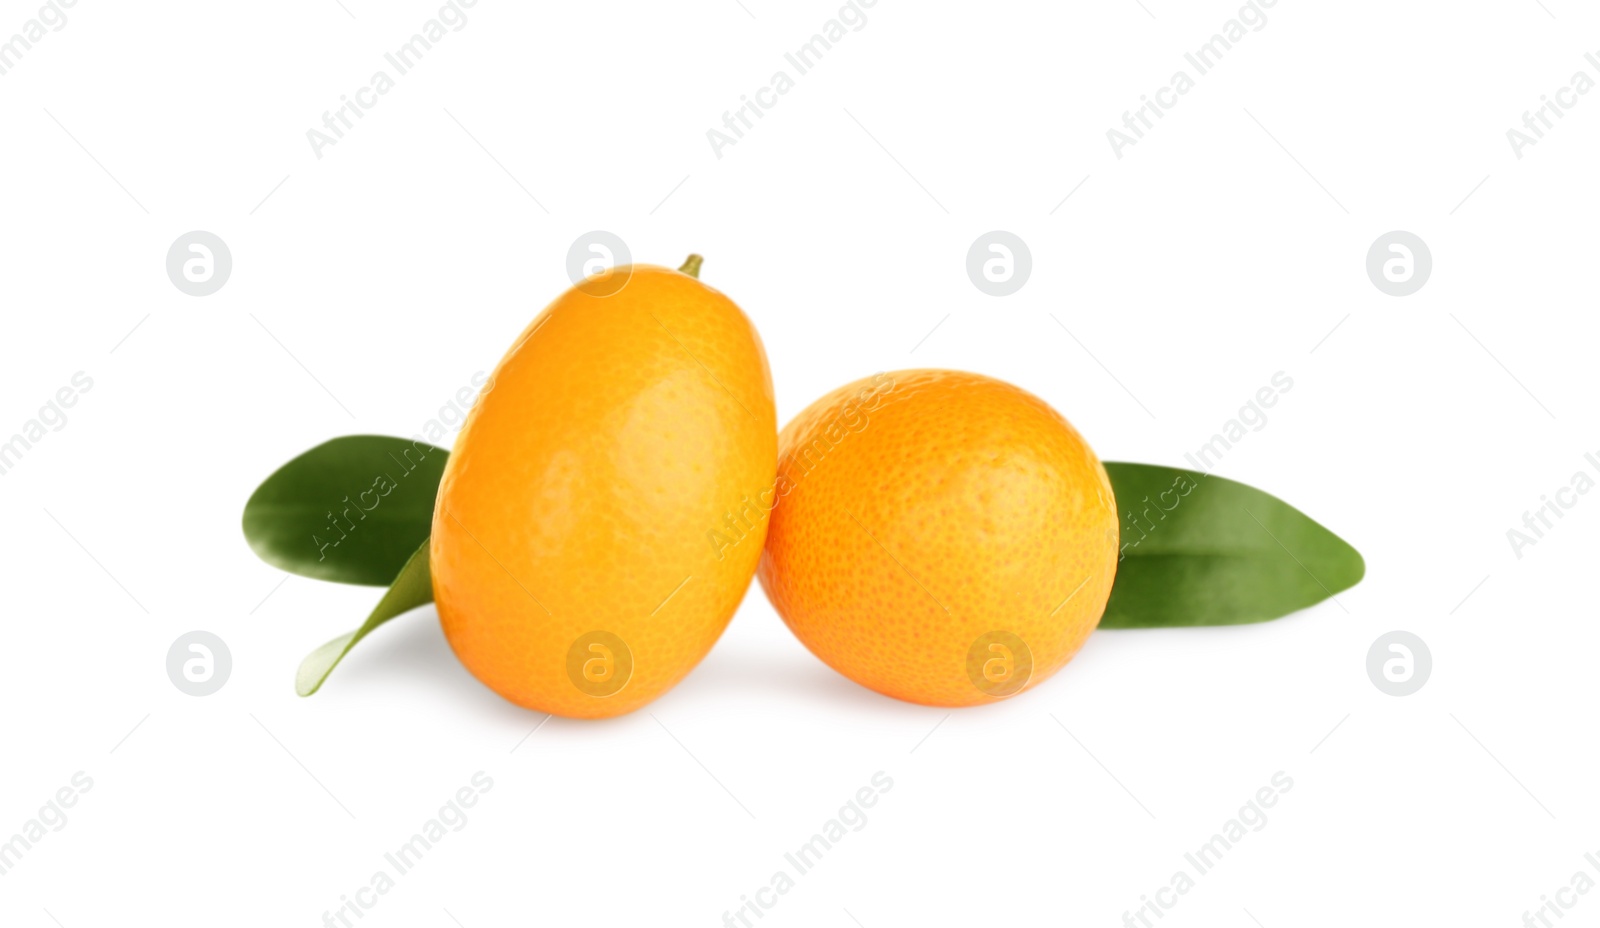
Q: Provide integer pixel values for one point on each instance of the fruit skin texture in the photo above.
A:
(609, 441)
(922, 509)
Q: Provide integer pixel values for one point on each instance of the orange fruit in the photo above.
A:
(570, 555)
(941, 537)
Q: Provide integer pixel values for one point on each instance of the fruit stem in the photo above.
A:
(692, 266)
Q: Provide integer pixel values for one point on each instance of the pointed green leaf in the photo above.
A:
(350, 510)
(412, 588)
(1203, 550)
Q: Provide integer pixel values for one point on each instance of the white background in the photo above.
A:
(1223, 248)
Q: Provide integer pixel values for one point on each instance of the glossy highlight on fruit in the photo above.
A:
(569, 554)
(941, 537)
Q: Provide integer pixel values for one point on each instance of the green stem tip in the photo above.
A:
(691, 266)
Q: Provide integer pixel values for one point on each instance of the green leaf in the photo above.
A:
(412, 588)
(351, 510)
(1203, 550)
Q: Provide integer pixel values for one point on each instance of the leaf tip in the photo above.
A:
(316, 667)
